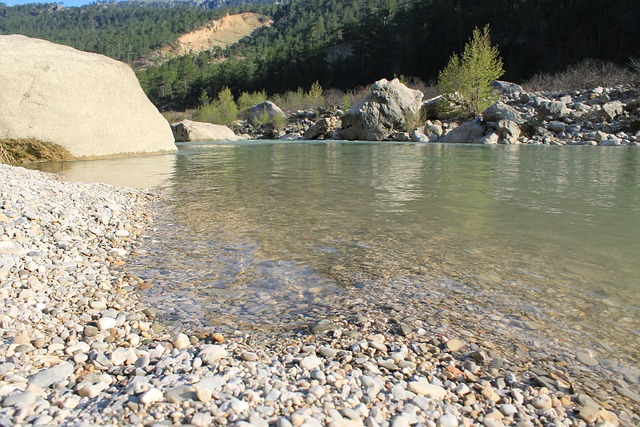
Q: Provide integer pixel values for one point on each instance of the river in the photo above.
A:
(538, 242)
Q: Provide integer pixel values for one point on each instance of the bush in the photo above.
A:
(248, 100)
(586, 74)
(222, 111)
(466, 79)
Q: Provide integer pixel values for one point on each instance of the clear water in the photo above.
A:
(278, 234)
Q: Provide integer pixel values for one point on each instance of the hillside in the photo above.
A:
(215, 33)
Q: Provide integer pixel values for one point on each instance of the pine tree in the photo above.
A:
(466, 79)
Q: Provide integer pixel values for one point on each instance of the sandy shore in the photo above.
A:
(79, 347)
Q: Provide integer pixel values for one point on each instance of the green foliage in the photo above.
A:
(465, 80)
(222, 111)
(314, 95)
(279, 122)
(346, 102)
(249, 99)
(263, 119)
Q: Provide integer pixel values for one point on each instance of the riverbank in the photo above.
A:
(80, 347)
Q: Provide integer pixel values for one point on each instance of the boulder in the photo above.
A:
(468, 132)
(188, 131)
(489, 139)
(611, 110)
(501, 111)
(552, 110)
(509, 131)
(507, 88)
(556, 126)
(322, 128)
(417, 135)
(89, 104)
(258, 113)
(388, 108)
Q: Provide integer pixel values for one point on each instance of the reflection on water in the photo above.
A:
(140, 172)
(276, 233)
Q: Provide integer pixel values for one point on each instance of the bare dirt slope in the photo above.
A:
(220, 32)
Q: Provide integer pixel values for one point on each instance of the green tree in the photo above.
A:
(465, 80)
(222, 111)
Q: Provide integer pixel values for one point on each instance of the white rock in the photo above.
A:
(181, 341)
(424, 388)
(105, 110)
(187, 130)
(310, 362)
(105, 323)
(447, 420)
(150, 396)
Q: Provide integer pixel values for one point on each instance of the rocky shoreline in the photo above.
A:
(81, 348)
(390, 112)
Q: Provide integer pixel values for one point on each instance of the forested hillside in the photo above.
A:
(340, 43)
(123, 31)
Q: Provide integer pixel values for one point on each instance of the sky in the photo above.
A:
(64, 2)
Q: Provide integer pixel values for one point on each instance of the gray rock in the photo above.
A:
(509, 89)
(321, 128)
(418, 136)
(489, 139)
(468, 132)
(20, 399)
(388, 108)
(501, 111)
(55, 374)
(611, 110)
(509, 131)
(556, 126)
(189, 131)
(552, 110)
(263, 110)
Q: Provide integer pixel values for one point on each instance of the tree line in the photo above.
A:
(341, 43)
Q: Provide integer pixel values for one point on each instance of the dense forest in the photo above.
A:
(340, 43)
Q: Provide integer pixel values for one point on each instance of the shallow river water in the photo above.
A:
(542, 243)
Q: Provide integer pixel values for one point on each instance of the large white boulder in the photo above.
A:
(90, 104)
(188, 131)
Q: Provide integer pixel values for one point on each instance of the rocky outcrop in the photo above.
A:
(390, 107)
(89, 104)
(188, 131)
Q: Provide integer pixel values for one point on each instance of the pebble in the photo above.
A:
(455, 345)
(131, 368)
(424, 388)
(542, 401)
(181, 341)
(586, 359)
(150, 396)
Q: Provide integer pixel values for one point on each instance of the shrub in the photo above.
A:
(314, 96)
(465, 80)
(248, 100)
(222, 111)
(586, 74)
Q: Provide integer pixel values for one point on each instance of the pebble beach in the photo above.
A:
(81, 347)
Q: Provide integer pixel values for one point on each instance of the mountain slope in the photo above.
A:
(215, 33)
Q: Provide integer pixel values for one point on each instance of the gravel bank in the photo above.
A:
(80, 348)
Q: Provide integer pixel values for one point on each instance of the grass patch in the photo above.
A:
(15, 151)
